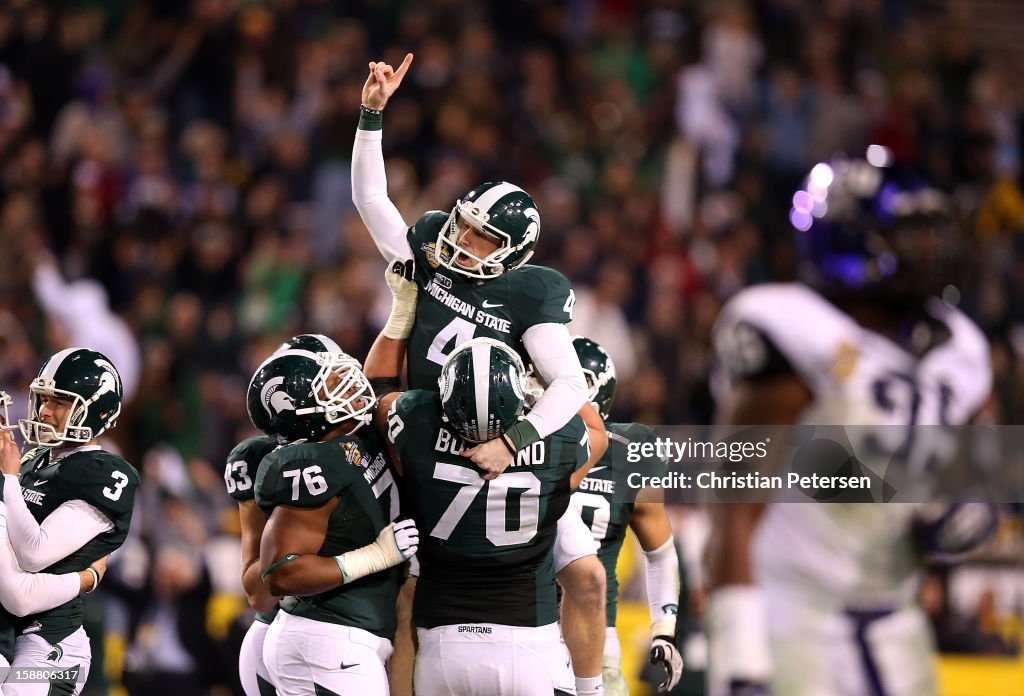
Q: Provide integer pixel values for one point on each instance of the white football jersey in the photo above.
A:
(850, 555)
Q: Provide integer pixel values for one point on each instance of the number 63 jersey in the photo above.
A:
(856, 554)
(452, 309)
(482, 540)
(99, 478)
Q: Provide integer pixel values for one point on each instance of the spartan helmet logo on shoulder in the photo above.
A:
(90, 382)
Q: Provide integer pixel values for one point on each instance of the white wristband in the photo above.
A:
(380, 555)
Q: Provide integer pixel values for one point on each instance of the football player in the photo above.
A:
(23, 593)
(482, 532)
(603, 502)
(834, 612)
(327, 542)
(574, 554)
(474, 280)
(72, 505)
(239, 475)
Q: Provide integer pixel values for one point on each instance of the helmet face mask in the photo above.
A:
(90, 385)
(482, 391)
(301, 395)
(5, 404)
(498, 210)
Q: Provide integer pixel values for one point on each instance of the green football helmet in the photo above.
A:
(314, 343)
(500, 210)
(293, 396)
(481, 387)
(599, 371)
(86, 378)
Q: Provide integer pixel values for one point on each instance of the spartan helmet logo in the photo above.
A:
(533, 229)
(273, 399)
(110, 381)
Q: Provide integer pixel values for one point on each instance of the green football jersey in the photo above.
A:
(239, 477)
(309, 475)
(99, 478)
(452, 309)
(605, 500)
(479, 535)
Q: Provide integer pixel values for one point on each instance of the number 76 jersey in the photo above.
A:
(452, 309)
(482, 539)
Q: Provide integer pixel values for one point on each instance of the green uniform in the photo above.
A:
(452, 309)
(102, 480)
(605, 500)
(485, 550)
(239, 477)
(308, 475)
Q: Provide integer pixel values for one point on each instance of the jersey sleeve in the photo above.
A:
(422, 239)
(573, 440)
(639, 433)
(548, 297)
(242, 464)
(107, 483)
(307, 475)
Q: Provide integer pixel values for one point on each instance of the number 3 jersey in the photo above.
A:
(485, 550)
(309, 475)
(101, 479)
(452, 309)
(854, 554)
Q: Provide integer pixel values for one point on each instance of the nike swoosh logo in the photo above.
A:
(41, 482)
(488, 305)
(596, 469)
(344, 666)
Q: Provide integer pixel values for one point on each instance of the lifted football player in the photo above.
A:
(474, 281)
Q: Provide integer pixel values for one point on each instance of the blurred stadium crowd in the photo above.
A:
(174, 191)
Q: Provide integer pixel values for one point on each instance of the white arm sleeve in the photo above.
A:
(552, 354)
(662, 575)
(64, 531)
(23, 593)
(370, 195)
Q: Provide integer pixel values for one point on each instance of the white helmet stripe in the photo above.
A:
(50, 368)
(493, 195)
(482, 383)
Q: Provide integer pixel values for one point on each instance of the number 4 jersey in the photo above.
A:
(485, 554)
(101, 479)
(453, 309)
(853, 554)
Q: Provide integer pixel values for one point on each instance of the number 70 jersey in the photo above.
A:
(482, 539)
(452, 309)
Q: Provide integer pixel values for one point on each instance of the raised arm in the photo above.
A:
(369, 181)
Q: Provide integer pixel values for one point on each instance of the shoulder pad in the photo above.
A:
(103, 480)
(418, 407)
(308, 474)
(806, 330)
(242, 464)
(549, 295)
